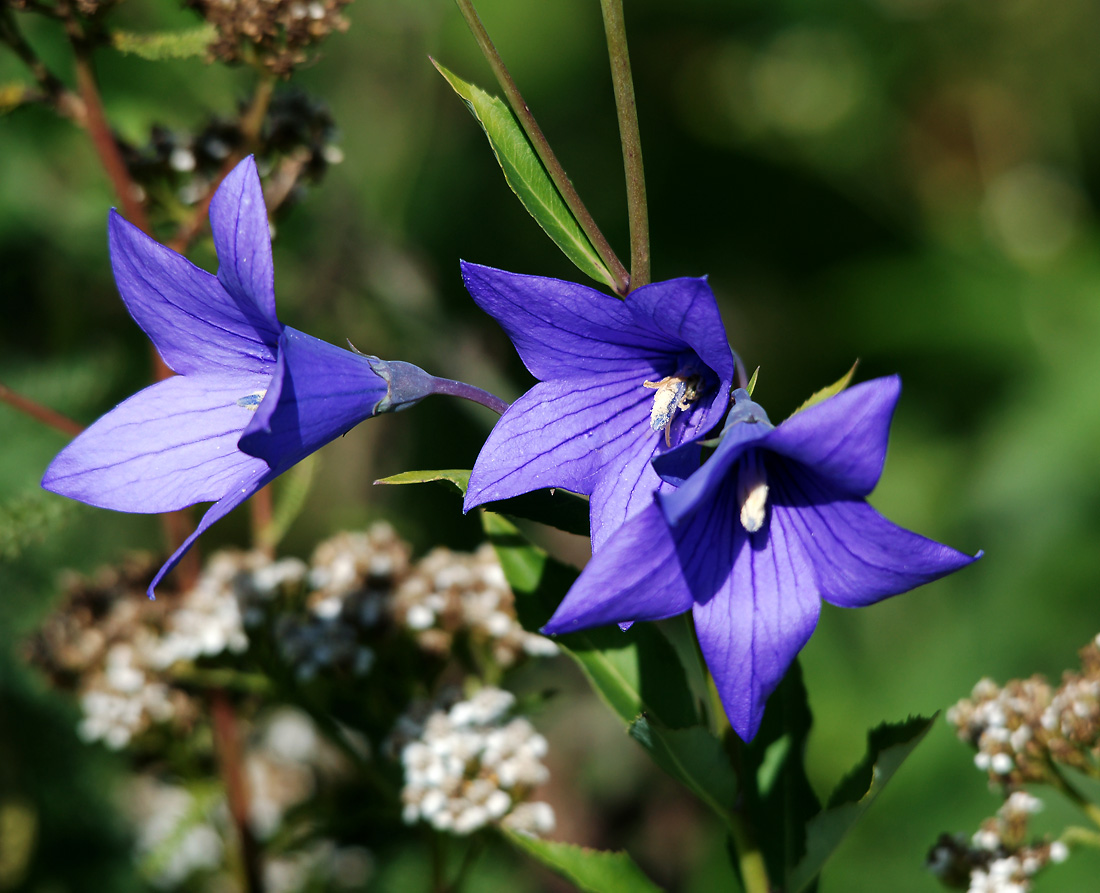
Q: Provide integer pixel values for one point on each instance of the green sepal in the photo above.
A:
(829, 391)
(888, 746)
(695, 758)
(594, 871)
(634, 672)
(159, 45)
(557, 508)
(528, 178)
(751, 386)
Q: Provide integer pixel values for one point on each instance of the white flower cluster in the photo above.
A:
(122, 701)
(997, 858)
(448, 592)
(467, 765)
(1019, 729)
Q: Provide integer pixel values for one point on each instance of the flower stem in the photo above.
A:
(39, 413)
(754, 873)
(1078, 799)
(468, 392)
(615, 28)
(228, 745)
(542, 148)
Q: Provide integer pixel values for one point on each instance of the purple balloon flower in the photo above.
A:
(772, 523)
(620, 381)
(250, 398)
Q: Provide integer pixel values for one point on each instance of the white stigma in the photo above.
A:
(752, 493)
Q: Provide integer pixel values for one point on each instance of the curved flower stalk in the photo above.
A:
(620, 381)
(251, 397)
(774, 522)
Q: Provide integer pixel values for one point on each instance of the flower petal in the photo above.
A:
(565, 434)
(562, 329)
(686, 308)
(756, 604)
(258, 476)
(634, 577)
(167, 447)
(194, 323)
(242, 238)
(319, 391)
(858, 556)
(843, 439)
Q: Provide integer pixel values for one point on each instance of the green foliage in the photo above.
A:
(593, 871)
(29, 519)
(695, 758)
(557, 508)
(528, 178)
(826, 392)
(290, 498)
(160, 45)
(888, 746)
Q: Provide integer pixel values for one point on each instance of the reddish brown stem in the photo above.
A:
(262, 508)
(231, 765)
(106, 146)
(40, 413)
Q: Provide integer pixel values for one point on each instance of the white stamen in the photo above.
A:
(752, 493)
(675, 393)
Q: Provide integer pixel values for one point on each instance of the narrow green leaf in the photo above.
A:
(888, 746)
(594, 871)
(557, 508)
(634, 671)
(752, 381)
(160, 45)
(777, 793)
(830, 391)
(528, 178)
(695, 758)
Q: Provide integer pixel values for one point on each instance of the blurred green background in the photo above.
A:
(908, 182)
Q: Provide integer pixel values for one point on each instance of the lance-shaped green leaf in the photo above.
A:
(634, 671)
(826, 392)
(594, 871)
(777, 794)
(528, 178)
(557, 508)
(888, 746)
(695, 758)
(165, 44)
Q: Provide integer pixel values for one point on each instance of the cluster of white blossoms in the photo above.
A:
(447, 592)
(467, 765)
(122, 700)
(1019, 729)
(997, 858)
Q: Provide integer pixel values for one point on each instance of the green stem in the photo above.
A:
(1079, 800)
(542, 148)
(754, 873)
(615, 27)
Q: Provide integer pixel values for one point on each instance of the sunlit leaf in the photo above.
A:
(888, 746)
(594, 871)
(528, 178)
(557, 508)
(829, 391)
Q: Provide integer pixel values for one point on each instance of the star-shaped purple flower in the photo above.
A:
(772, 523)
(620, 381)
(250, 398)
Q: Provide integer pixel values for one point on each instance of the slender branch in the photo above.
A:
(104, 141)
(252, 121)
(261, 509)
(1079, 800)
(754, 873)
(542, 148)
(469, 392)
(40, 413)
(230, 763)
(615, 27)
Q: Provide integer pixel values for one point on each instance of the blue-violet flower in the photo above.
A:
(251, 397)
(620, 381)
(773, 522)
